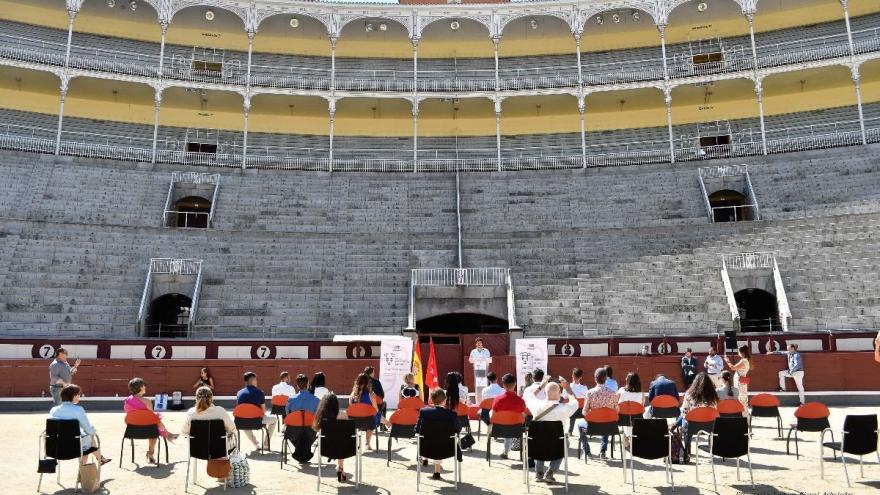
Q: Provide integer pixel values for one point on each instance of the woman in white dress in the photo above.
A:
(742, 369)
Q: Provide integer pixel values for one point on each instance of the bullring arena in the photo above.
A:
(275, 186)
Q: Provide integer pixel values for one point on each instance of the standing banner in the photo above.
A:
(531, 354)
(395, 360)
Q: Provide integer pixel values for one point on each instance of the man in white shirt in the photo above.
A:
(714, 366)
(283, 387)
(493, 390)
(536, 388)
(552, 407)
(480, 358)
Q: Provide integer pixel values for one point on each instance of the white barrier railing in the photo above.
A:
(190, 218)
(459, 277)
(748, 261)
(195, 178)
(735, 213)
(723, 171)
(175, 266)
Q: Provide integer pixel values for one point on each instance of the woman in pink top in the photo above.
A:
(137, 402)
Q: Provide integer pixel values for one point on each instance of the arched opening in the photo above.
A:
(169, 316)
(727, 206)
(757, 310)
(461, 323)
(193, 212)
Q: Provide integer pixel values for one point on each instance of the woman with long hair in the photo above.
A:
(205, 380)
(318, 385)
(205, 410)
(528, 380)
(742, 368)
(453, 390)
(362, 392)
(631, 390)
(701, 394)
(328, 411)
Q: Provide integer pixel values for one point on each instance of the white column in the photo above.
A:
(71, 15)
(667, 97)
(759, 94)
(662, 29)
(750, 16)
(164, 26)
(496, 40)
(247, 112)
(415, 103)
(582, 107)
(250, 35)
(64, 83)
(332, 115)
(857, 80)
(157, 100)
(333, 40)
(498, 132)
(845, 4)
(577, 42)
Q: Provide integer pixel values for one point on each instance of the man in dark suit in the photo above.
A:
(661, 386)
(436, 413)
(688, 367)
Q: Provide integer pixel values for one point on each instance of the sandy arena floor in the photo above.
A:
(775, 472)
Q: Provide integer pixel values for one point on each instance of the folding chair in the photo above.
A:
(811, 417)
(250, 417)
(547, 441)
(296, 423)
(729, 440)
(438, 440)
(62, 441)
(364, 416)
(766, 406)
(340, 439)
(665, 407)
(730, 408)
(279, 408)
(403, 425)
(464, 420)
(601, 422)
(485, 410)
(858, 437)
(700, 420)
(207, 440)
(507, 425)
(411, 403)
(578, 414)
(650, 440)
(142, 425)
(627, 411)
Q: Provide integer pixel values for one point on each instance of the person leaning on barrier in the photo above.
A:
(795, 370)
(555, 407)
(437, 412)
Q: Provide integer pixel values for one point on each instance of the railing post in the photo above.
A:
(64, 84)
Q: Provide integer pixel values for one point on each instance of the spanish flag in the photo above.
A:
(417, 371)
(431, 377)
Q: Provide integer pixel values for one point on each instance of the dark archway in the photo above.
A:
(757, 310)
(193, 212)
(459, 323)
(169, 316)
(727, 206)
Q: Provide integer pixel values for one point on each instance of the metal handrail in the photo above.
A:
(728, 291)
(194, 306)
(459, 277)
(175, 266)
(736, 208)
(748, 261)
(781, 298)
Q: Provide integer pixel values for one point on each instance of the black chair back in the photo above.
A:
(141, 432)
(402, 431)
(731, 437)
(546, 440)
(812, 424)
(665, 412)
(436, 442)
(594, 429)
(650, 438)
(249, 423)
(63, 439)
(860, 434)
(339, 438)
(207, 439)
(765, 411)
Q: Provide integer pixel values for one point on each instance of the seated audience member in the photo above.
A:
(205, 410)
(318, 385)
(251, 394)
(631, 392)
(554, 408)
(302, 400)
(205, 380)
(70, 409)
(598, 397)
(528, 380)
(795, 370)
(509, 401)
(376, 387)
(610, 382)
(362, 392)
(137, 402)
(700, 394)
(436, 412)
(688, 367)
(464, 395)
(409, 388)
(283, 387)
(453, 390)
(492, 389)
(646, 350)
(728, 390)
(538, 376)
(578, 389)
(328, 411)
(661, 386)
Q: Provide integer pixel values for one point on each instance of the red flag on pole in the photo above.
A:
(431, 378)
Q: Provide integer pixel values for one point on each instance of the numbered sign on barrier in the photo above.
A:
(158, 352)
(46, 351)
(262, 352)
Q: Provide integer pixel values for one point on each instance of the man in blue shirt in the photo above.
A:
(795, 370)
(251, 394)
(302, 400)
(661, 386)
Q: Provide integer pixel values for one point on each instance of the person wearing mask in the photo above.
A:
(204, 380)
(742, 368)
(302, 399)
(610, 382)
(597, 397)
(206, 410)
(538, 383)
(493, 390)
(409, 388)
(283, 387)
(509, 401)
(328, 411)
(318, 385)
(60, 374)
(480, 358)
(554, 408)
(714, 365)
(688, 367)
(252, 394)
(437, 412)
(728, 389)
(660, 386)
(795, 370)
(700, 394)
(70, 409)
(137, 402)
